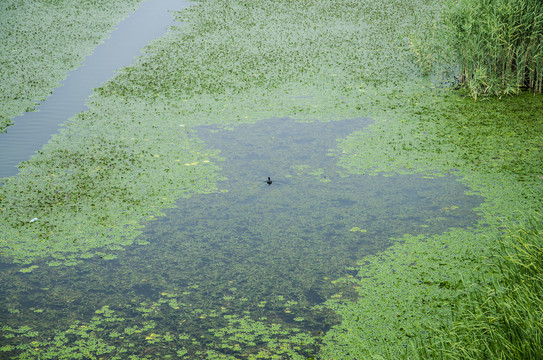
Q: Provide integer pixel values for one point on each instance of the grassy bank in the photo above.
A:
(502, 318)
(43, 40)
(136, 151)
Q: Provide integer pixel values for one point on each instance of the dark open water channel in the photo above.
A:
(267, 254)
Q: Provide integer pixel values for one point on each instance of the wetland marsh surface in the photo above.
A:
(263, 254)
(158, 237)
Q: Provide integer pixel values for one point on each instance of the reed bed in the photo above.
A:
(496, 46)
(505, 319)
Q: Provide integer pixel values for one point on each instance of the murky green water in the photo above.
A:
(267, 254)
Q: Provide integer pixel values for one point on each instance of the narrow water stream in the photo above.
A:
(33, 129)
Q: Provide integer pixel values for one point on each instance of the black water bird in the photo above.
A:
(269, 181)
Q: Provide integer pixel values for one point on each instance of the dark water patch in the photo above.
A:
(254, 250)
(33, 129)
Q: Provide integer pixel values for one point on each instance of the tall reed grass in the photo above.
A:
(497, 45)
(505, 319)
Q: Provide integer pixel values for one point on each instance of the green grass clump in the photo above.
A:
(498, 44)
(504, 319)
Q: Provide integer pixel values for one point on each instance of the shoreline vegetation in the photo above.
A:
(497, 44)
(491, 47)
(443, 296)
(502, 319)
(435, 277)
(496, 49)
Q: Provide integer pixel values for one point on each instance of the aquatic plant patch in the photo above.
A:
(148, 141)
(140, 336)
(495, 146)
(112, 161)
(256, 250)
(42, 41)
(143, 88)
(88, 186)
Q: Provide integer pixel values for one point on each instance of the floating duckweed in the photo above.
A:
(28, 269)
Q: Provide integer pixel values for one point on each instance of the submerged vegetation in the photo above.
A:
(146, 145)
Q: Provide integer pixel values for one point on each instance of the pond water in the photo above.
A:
(223, 273)
(33, 129)
(231, 273)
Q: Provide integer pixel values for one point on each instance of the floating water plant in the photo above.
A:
(42, 41)
(97, 187)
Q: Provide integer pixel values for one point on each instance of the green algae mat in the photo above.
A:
(157, 235)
